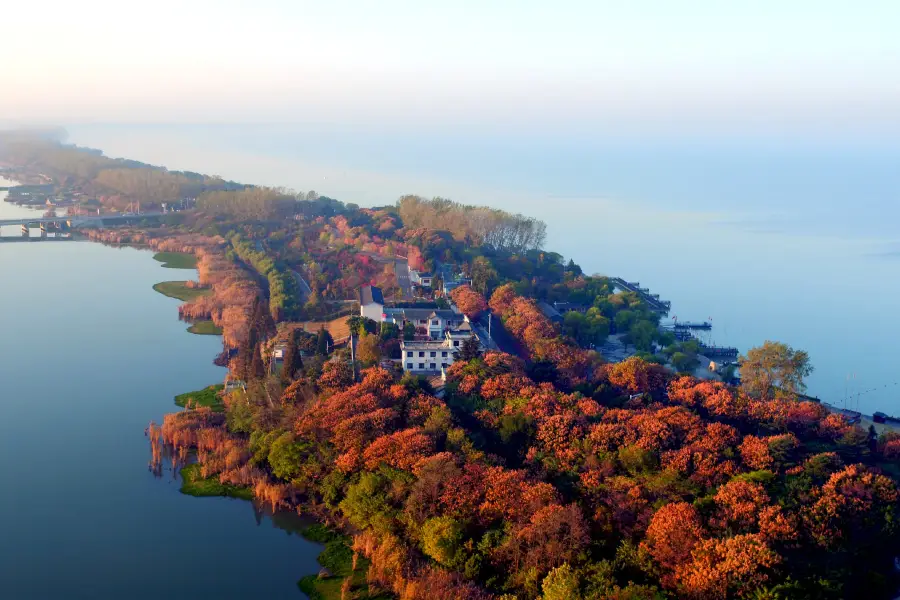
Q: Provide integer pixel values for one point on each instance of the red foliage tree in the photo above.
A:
(470, 302)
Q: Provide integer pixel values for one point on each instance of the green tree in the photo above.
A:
(366, 503)
(293, 362)
(561, 584)
(684, 363)
(774, 367)
(323, 342)
(442, 540)
(484, 275)
(389, 331)
(285, 456)
(470, 349)
(642, 334)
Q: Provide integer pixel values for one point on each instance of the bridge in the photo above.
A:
(60, 223)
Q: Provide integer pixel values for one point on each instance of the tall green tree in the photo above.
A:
(774, 368)
(324, 342)
(293, 362)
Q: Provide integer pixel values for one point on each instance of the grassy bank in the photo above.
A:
(176, 260)
(208, 396)
(205, 328)
(337, 557)
(193, 484)
(180, 290)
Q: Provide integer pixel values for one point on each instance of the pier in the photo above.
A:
(652, 300)
(705, 325)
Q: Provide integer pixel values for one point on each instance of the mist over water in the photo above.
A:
(789, 240)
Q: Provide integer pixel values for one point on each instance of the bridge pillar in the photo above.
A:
(25, 232)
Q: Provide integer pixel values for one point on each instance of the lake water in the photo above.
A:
(89, 355)
(788, 240)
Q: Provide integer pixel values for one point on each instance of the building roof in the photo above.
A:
(370, 294)
(549, 311)
(463, 327)
(424, 345)
(423, 314)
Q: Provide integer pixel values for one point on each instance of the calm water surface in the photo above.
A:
(791, 240)
(89, 355)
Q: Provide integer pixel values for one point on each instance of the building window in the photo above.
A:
(409, 355)
(421, 365)
(444, 365)
(443, 355)
(409, 366)
(436, 323)
(421, 354)
(456, 343)
(433, 354)
(433, 366)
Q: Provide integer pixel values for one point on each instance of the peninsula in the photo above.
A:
(469, 415)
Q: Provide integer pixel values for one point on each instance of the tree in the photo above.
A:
(324, 342)
(470, 349)
(293, 362)
(257, 365)
(484, 276)
(442, 539)
(684, 363)
(774, 367)
(359, 325)
(284, 456)
(367, 349)
(561, 584)
(470, 302)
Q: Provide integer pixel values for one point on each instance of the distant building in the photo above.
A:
(434, 355)
(434, 321)
(421, 279)
(371, 303)
(452, 284)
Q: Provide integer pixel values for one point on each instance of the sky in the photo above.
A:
(816, 67)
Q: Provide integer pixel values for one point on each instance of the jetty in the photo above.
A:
(652, 300)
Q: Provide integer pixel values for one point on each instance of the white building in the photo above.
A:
(434, 355)
(371, 303)
(421, 279)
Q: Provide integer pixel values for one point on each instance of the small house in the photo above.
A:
(371, 303)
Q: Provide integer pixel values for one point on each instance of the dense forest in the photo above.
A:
(640, 484)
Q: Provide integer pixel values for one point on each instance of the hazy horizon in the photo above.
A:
(816, 70)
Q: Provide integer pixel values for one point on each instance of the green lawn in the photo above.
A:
(180, 290)
(194, 485)
(176, 260)
(205, 328)
(337, 557)
(208, 396)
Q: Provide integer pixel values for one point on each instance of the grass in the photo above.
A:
(180, 290)
(176, 260)
(205, 328)
(208, 396)
(337, 557)
(193, 484)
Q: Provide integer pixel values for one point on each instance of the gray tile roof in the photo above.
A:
(370, 294)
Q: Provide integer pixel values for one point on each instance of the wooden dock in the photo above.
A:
(652, 300)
